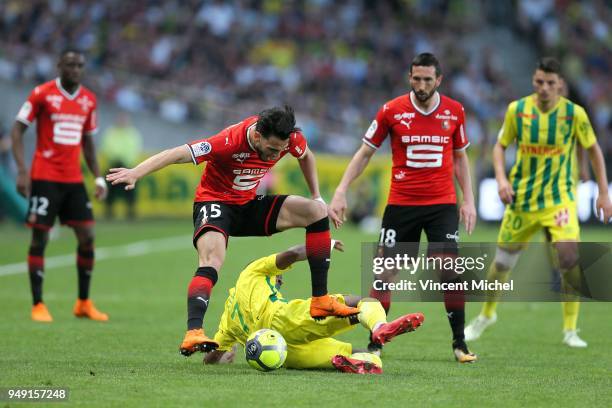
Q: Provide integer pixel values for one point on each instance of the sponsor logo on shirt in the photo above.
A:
(426, 139)
(55, 101)
(446, 117)
(241, 157)
(405, 115)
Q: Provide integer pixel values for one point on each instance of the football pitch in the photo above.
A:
(141, 279)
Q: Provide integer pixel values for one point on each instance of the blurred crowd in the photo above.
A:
(336, 62)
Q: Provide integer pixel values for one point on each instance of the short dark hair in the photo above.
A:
(426, 59)
(549, 65)
(279, 122)
(69, 50)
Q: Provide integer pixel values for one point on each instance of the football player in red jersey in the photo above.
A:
(428, 143)
(226, 205)
(65, 115)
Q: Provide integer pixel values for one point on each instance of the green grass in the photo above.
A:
(133, 359)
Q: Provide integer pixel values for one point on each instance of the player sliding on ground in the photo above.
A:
(255, 302)
(226, 205)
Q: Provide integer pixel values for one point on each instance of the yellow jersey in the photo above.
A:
(543, 174)
(252, 303)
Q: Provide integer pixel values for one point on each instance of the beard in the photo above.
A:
(423, 96)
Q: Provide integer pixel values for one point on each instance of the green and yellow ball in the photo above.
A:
(265, 350)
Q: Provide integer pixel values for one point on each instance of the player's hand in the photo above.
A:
(338, 245)
(506, 192)
(220, 357)
(467, 215)
(337, 209)
(23, 183)
(603, 206)
(101, 189)
(122, 176)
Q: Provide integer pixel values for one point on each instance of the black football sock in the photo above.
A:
(318, 248)
(36, 272)
(85, 262)
(454, 302)
(198, 296)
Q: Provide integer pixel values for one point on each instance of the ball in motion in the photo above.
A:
(265, 350)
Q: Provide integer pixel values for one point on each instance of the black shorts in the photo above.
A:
(49, 199)
(404, 223)
(254, 219)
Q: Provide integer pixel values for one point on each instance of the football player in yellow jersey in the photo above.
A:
(255, 303)
(541, 190)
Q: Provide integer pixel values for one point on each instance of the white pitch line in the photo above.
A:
(137, 248)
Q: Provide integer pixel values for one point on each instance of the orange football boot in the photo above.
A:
(196, 340)
(85, 308)
(326, 305)
(40, 313)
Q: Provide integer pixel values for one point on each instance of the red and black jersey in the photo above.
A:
(234, 168)
(422, 145)
(61, 120)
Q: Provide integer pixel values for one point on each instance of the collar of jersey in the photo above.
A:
(247, 137)
(64, 92)
(535, 104)
(421, 111)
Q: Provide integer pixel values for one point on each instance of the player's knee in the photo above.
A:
(317, 220)
(316, 211)
(506, 260)
(85, 237)
(39, 240)
(568, 259)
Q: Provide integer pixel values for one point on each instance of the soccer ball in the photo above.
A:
(265, 350)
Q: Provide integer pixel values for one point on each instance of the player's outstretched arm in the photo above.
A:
(298, 253)
(129, 177)
(504, 188)
(89, 152)
(308, 165)
(603, 204)
(467, 211)
(23, 179)
(338, 205)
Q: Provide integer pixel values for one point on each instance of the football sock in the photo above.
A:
(570, 315)
(318, 248)
(572, 283)
(85, 262)
(489, 307)
(383, 296)
(36, 272)
(371, 314)
(454, 302)
(198, 295)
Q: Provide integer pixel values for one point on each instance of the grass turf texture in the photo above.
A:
(133, 360)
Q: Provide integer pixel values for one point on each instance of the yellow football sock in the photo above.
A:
(570, 315)
(371, 313)
(572, 284)
(489, 307)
